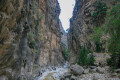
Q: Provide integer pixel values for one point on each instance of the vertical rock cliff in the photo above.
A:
(82, 26)
(63, 36)
(29, 37)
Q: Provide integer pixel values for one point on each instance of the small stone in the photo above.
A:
(114, 74)
(93, 70)
(73, 78)
(95, 77)
(67, 75)
(117, 70)
(96, 64)
(100, 70)
(66, 79)
(62, 78)
(53, 68)
(92, 67)
(102, 63)
(3, 78)
(86, 71)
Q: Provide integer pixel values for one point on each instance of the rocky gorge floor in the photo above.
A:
(92, 73)
(75, 72)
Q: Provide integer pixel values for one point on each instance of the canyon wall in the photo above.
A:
(82, 27)
(63, 36)
(29, 37)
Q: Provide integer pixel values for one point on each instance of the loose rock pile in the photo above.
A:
(77, 72)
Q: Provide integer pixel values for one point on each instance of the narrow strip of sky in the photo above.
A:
(66, 12)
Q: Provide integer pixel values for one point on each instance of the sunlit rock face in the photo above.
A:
(82, 26)
(29, 37)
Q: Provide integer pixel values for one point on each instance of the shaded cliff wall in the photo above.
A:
(63, 36)
(29, 37)
(82, 27)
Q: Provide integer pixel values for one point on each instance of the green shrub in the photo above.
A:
(95, 14)
(119, 75)
(32, 44)
(112, 69)
(25, 78)
(84, 59)
(100, 11)
(109, 61)
(63, 45)
(113, 28)
(96, 38)
(91, 59)
(64, 51)
(24, 62)
(31, 39)
(31, 35)
(65, 54)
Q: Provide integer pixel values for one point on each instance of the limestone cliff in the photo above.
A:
(29, 37)
(82, 26)
(63, 36)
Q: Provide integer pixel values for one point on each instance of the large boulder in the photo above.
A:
(76, 69)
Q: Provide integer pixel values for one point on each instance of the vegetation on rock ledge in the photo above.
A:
(100, 12)
(113, 28)
(96, 38)
(85, 58)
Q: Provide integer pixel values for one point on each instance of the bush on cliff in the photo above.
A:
(100, 12)
(84, 59)
(113, 28)
(97, 33)
(31, 39)
(64, 51)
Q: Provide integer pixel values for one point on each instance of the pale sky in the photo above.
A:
(66, 12)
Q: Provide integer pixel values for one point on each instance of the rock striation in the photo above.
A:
(82, 27)
(29, 37)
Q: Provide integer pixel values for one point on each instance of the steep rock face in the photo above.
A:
(63, 36)
(82, 26)
(29, 37)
